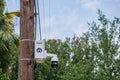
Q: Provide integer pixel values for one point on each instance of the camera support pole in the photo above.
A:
(26, 61)
(50, 55)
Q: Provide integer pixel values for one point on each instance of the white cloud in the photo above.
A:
(49, 22)
(80, 30)
(13, 5)
(65, 25)
(53, 35)
(90, 4)
(81, 1)
(72, 19)
(69, 20)
(93, 5)
(73, 23)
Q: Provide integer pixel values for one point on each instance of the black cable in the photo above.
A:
(39, 19)
(35, 19)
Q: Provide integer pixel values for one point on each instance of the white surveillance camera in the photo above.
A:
(54, 62)
(41, 54)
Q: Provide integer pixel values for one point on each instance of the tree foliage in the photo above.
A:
(3, 76)
(8, 40)
(93, 56)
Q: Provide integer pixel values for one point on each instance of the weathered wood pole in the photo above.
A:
(26, 58)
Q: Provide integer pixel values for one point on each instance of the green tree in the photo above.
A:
(104, 40)
(3, 76)
(94, 56)
(8, 40)
(109, 47)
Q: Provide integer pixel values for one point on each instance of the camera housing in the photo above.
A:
(41, 54)
(54, 62)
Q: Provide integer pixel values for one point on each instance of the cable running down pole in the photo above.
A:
(37, 19)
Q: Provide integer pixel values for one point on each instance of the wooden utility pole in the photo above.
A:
(26, 62)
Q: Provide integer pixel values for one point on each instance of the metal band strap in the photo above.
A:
(24, 59)
(26, 40)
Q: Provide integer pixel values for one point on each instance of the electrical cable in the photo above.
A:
(39, 19)
(37, 22)
(44, 18)
(35, 19)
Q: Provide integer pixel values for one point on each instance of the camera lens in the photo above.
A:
(54, 64)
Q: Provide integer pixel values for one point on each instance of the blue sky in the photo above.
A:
(64, 18)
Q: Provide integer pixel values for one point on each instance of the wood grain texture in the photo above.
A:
(26, 61)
